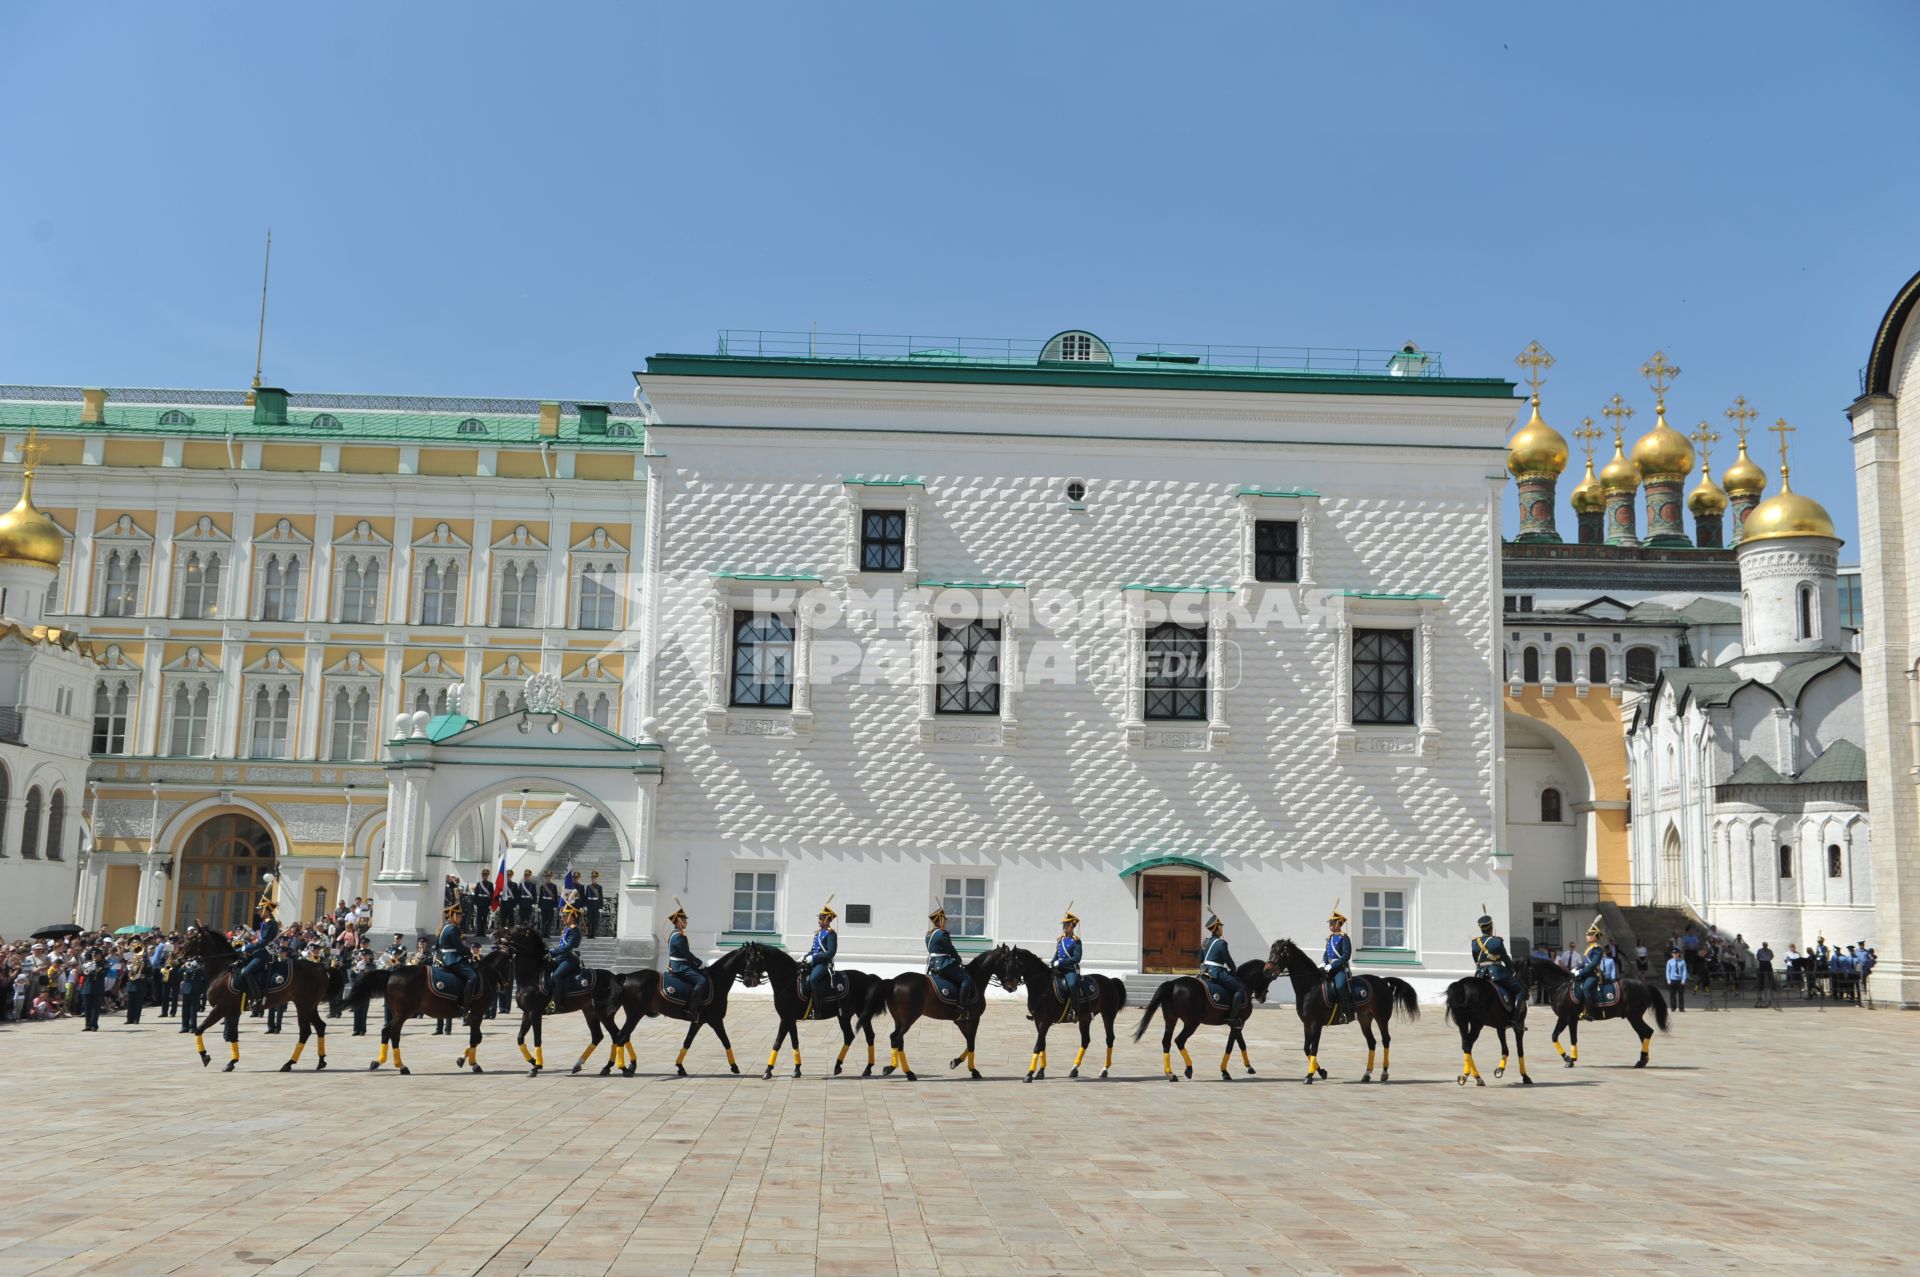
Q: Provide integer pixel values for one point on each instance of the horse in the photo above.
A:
(1310, 1000)
(643, 993)
(1474, 1004)
(1185, 998)
(1637, 999)
(307, 983)
(792, 1006)
(910, 996)
(529, 953)
(409, 993)
(1012, 966)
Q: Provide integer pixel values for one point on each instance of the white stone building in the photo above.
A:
(1148, 635)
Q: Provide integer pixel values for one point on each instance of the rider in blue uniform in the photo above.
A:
(1338, 959)
(452, 945)
(944, 966)
(1216, 968)
(818, 964)
(257, 954)
(1066, 957)
(565, 954)
(1586, 980)
(684, 966)
(1491, 959)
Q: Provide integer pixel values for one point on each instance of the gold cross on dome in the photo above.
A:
(1705, 437)
(1782, 429)
(1740, 415)
(1621, 413)
(1586, 434)
(1659, 374)
(30, 453)
(1535, 360)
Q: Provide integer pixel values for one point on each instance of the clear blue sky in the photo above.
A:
(528, 200)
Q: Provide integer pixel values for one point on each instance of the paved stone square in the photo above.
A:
(1758, 1142)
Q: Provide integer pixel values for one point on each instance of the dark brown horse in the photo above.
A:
(1474, 1004)
(307, 983)
(792, 1006)
(410, 993)
(1638, 999)
(530, 978)
(1184, 999)
(640, 994)
(1013, 966)
(1374, 1000)
(910, 996)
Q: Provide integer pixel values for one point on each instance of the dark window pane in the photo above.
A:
(1382, 677)
(762, 660)
(967, 668)
(883, 540)
(1176, 672)
(1276, 550)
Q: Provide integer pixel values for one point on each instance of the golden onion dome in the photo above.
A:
(1707, 499)
(1663, 452)
(1587, 497)
(1786, 514)
(1744, 478)
(1538, 448)
(27, 535)
(1619, 474)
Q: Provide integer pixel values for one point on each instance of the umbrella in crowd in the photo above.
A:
(133, 930)
(58, 931)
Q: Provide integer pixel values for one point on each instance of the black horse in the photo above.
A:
(1474, 1004)
(1185, 999)
(307, 983)
(1014, 966)
(409, 992)
(793, 1005)
(1374, 997)
(1638, 999)
(643, 993)
(530, 977)
(911, 996)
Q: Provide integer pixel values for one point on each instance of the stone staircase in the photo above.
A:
(1649, 925)
(592, 846)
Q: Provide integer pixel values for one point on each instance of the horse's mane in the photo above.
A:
(780, 963)
(1548, 972)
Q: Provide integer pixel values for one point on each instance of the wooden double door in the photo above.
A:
(1170, 909)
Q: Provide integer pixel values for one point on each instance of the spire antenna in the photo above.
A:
(1536, 361)
(1659, 374)
(260, 342)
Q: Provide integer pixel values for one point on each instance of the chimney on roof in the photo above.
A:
(549, 420)
(269, 406)
(93, 407)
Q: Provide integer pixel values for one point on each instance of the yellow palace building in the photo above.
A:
(264, 581)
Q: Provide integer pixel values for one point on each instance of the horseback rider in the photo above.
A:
(684, 965)
(817, 966)
(1066, 957)
(1338, 959)
(1216, 968)
(453, 951)
(944, 966)
(260, 951)
(565, 955)
(1586, 980)
(1491, 960)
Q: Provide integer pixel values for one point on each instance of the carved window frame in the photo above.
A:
(1420, 618)
(783, 596)
(925, 611)
(1145, 608)
(861, 495)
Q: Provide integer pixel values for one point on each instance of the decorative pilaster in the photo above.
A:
(1622, 525)
(1666, 524)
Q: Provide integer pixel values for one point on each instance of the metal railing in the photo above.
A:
(12, 726)
(1588, 892)
(949, 351)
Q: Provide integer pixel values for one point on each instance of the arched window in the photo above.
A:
(1563, 665)
(1806, 611)
(1836, 863)
(1530, 665)
(222, 868)
(360, 590)
(519, 594)
(174, 417)
(1550, 807)
(352, 719)
(272, 715)
(502, 704)
(122, 584)
(110, 703)
(472, 426)
(30, 827)
(280, 599)
(1643, 664)
(200, 587)
(1597, 665)
(619, 430)
(1786, 861)
(57, 827)
(188, 738)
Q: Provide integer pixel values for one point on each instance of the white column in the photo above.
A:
(312, 705)
(480, 574)
(400, 579)
(80, 566)
(319, 605)
(236, 590)
(149, 722)
(553, 591)
(160, 581)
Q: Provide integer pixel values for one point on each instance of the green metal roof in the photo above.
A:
(442, 726)
(1844, 762)
(1174, 861)
(1793, 680)
(1755, 771)
(216, 414)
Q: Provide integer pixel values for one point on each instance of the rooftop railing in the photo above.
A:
(1001, 352)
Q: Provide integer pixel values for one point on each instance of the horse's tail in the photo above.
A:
(1120, 987)
(1457, 1002)
(876, 999)
(1658, 1002)
(1159, 996)
(1403, 996)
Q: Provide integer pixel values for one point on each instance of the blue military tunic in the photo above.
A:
(260, 951)
(1216, 967)
(1338, 958)
(566, 958)
(1066, 961)
(453, 956)
(819, 962)
(1491, 959)
(685, 967)
(943, 964)
(1588, 976)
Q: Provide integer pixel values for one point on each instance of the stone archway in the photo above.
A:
(223, 864)
(1668, 891)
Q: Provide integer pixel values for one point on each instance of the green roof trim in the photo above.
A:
(861, 481)
(772, 577)
(1142, 376)
(1278, 492)
(442, 726)
(1180, 589)
(1174, 861)
(1843, 763)
(1423, 596)
(971, 585)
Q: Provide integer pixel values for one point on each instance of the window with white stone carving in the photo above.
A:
(1176, 697)
(199, 590)
(426, 684)
(762, 660)
(280, 557)
(596, 709)
(1384, 693)
(592, 692)
(190, 707)
(883, 527)
(350, 731)
(360, 566)
(966, 646)
(1383, 677)
(967, 673)
(120, 595)
(112, 703)
(519, 603)
(270, 718)
(505, 688)
(1174, 669)
(439, 571)
(1276, 536)
(599, 568)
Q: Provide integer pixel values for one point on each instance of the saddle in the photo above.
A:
(581, 981)
(677, 990)
(451, 985)
(945, 988)
(803, 987)
(1508, 1000)
(1358, 995)
(1608, 995)
(273, 976)
(1089, 999)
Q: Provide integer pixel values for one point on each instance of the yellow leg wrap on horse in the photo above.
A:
(1081, 1056)
(383, 1053)
(1313, 1064)
(1574, 1051)
(1185, 1058)
(1384, 1053)
(869, 1055)
(1043, 1059)
(1503, 1063)
(1561, 1047)
(680, 1058)
(1226, 1058)
(1245, 1058)
(199, 1043)
(1369, 1060)
(525, 1054)
(584, 1055)
(904, 1066)
(893, 1057)
(1166, 1061)
(842, 1057)
(1646, 1046)
(730, 1055)
(298, 1049)
(540, 1056)
(1109, 1057)
(773, 1057)
(1523, 1066)
(473, 1055)
(396, 1057)
(1033, 1062)
(233, 1049)
(796, 1057)
(1466, 1064)
(320, 1046)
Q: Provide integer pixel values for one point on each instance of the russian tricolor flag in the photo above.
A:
(500, 883)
